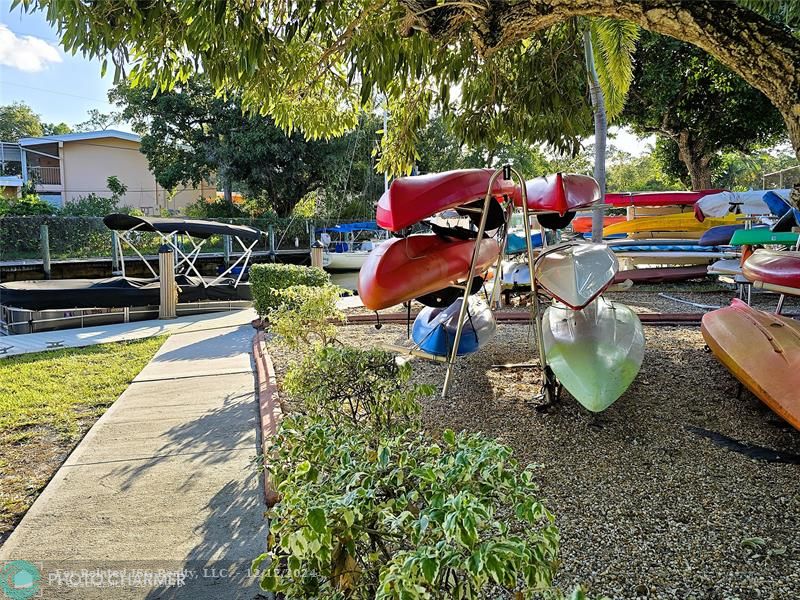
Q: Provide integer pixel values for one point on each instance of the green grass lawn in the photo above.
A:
(47, 402)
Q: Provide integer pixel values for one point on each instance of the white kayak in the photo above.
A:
(744, 203)
(596, 352)
(576, 274)
(727, 266)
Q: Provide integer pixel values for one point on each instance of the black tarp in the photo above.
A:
(113, 292)
(192, 227)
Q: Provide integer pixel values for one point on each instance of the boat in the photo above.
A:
(595, 352)
(406, 268)
(515, 243)
(777, 269)
(410, 200)
(576, 273)
(720, 235)
(669, 198)
(661, 274)
(560, 193)
(743, 203)
(435, 328)
(762, 351)
(662, 257)
(727, 267)
(659, 246)
(676, 222)
(584, 224)
(123, 291)
(762, 236)
(347, 245)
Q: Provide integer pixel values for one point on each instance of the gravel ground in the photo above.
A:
(645, 507)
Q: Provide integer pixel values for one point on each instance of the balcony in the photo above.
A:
(45, 175)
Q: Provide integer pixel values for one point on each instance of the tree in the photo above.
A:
(56, 128)
(190, 135)
(17, 121)
(698, 106)
(315, 65)
(98, 121)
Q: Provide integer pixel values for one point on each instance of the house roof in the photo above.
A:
(79, 137)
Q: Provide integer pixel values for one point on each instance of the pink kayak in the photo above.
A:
(657, 198)
(409, 200)
(406, 268)
(560, 193)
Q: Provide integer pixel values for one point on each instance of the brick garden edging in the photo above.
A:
(269, 406)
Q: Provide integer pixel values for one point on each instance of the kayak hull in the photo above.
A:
(405, 268)
(577, 273)
(762, 351)
(584, 224)
(434, 329)
(719, 236)
(677, 222)
(776, 268)
(662, 275)
(657, 198)
(409, 200)
(595, 353)
(560, 193)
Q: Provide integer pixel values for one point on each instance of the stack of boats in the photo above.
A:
(591, 347)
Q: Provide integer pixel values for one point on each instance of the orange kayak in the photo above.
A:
(761, 350)
(584, 224)
(406, 268)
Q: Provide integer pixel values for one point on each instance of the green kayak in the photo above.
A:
(596, 352)
(762, 236)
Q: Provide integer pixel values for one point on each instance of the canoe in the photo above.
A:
(743, 203)
(560, 193)
(584, 224)
(762, 236)
(657, 198)
(434, 329)
(726, 266)
(719, 236)
(596, 352)
(677, 222)
(405, 268)
(409, 200)
(762, 350)
(661, 274)
(774, 268)
(576, 274)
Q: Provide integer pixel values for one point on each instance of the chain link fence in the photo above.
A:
(780, 180)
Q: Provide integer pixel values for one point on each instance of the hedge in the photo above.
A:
(265, 279)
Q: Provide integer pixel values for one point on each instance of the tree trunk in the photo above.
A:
(697, 161)
(227, 192)
(600, 134)
(763, 53)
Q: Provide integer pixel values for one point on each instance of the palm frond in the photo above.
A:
(614, 42)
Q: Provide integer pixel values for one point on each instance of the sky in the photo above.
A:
(63, 88)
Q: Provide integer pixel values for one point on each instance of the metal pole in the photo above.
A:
(168, 290)
(475, 254)
(271, 233)
(44, 242)
(114, 254)
(226, 250)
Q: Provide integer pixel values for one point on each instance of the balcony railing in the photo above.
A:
(45, 175)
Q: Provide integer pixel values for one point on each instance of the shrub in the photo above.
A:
(94, 205)
(267, 279)
(306, 316)
(218, 208)
(29, 205)
(403, 518)
(348, 385)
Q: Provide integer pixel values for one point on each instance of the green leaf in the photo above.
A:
(317, 520)
(430, 568)
(449, 436)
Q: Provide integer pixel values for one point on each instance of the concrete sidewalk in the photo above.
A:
(162, 488)
(118, 332)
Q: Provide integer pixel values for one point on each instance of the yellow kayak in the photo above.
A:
(678, 222)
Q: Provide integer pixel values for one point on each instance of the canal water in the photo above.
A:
(347, 279)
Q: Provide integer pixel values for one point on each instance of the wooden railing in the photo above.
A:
(45, 175)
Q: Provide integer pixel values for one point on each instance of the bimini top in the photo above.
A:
(192, 227)
(350, 227)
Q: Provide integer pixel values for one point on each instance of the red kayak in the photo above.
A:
(409, 200)
(560, 193)
(662, 274)
(406, 268)
(657, 198)
(775, 268)
(584, 224)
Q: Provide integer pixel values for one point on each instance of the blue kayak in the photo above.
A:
(434, 329)
(719, 236)
(516, 243)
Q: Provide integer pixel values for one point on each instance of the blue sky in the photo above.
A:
(35, 70)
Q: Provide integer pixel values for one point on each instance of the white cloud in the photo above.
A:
(26, 53)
